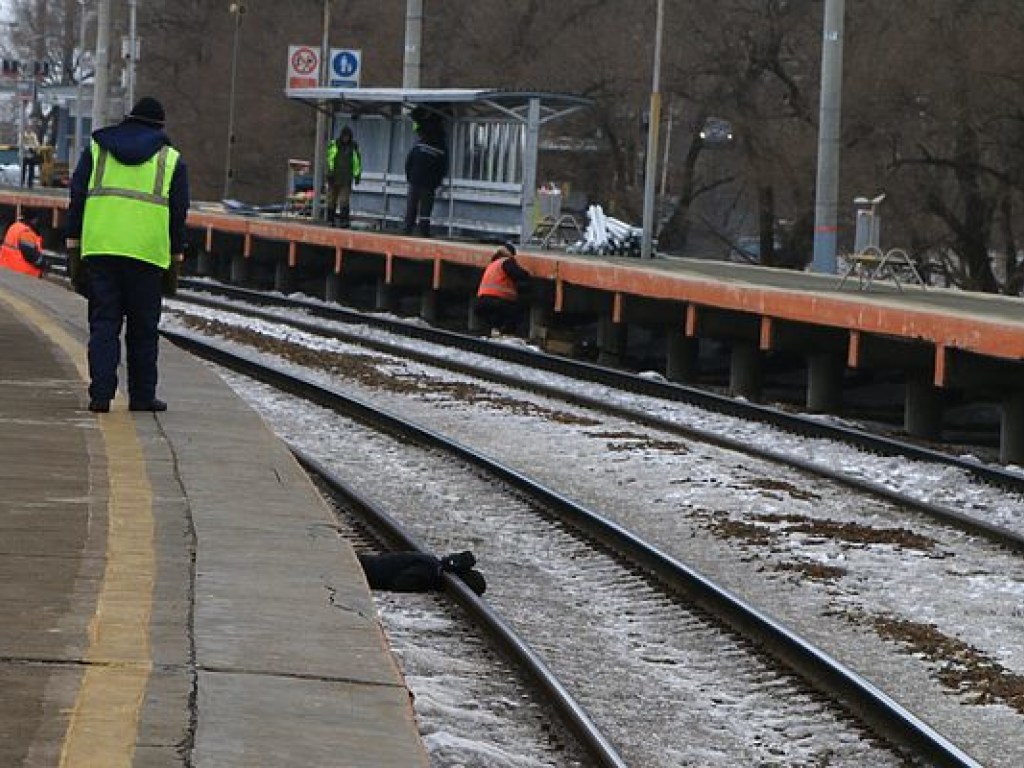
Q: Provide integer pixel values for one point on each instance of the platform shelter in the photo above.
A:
(493, 141)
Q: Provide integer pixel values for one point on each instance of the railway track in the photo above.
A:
(948, 487)
(664, 568)
(427, 630)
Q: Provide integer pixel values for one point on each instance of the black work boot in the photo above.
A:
(458, 562)
(344, 217)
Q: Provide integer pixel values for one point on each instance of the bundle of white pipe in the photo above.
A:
(606, 235)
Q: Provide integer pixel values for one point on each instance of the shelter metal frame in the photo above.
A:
(460, 107)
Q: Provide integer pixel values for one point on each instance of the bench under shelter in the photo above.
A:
(493, 144)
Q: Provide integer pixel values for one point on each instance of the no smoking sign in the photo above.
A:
(303, 66)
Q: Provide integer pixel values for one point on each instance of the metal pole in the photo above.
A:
(321, 118)
(664, 161)
(413, 43)
(133, 46)
(21, 134)
(229, 173)
(827, 190)
(101, 80)
(78, 86)
(653, 124)
(530, 170)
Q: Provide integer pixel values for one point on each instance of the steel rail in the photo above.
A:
(945, 514)
(807, 426)
(517, 650)
(886, 716)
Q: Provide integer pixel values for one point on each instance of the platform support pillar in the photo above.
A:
(284, 276)
(681, 354)
(473, 323)
(1011, 441)
(428, 305)
(332, 287)
(922, 409)
(825, 383)
(611, 341)
(540, 319)
(206, 264)
(385, 300)
(239, 269)
(745, 374)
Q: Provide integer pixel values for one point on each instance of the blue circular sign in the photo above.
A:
(345, 64)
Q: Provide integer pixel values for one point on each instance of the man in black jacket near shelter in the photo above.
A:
(125, 235)
(426, 165)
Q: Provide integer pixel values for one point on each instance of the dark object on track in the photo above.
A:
(419, 572)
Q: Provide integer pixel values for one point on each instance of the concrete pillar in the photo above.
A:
(611, 341)
(825, 383)
(284, 276)
(206, 264)
(922, 409)
(745, 373)
(428, 305)
(332, 287)
(540, 319)
(681, 354)
(1011, 442)
(239, 269)
(385, 299)
(473, 323)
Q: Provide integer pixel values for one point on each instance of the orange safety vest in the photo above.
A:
(497, 283)
(10, 253)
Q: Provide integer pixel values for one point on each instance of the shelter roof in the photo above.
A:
(475, 102)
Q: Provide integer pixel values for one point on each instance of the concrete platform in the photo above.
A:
(172, 590)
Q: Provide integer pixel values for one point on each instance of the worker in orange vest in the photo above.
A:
(502, 286)
(22, 249)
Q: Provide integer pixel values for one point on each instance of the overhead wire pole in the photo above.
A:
(133, 51)
(827, 190)
(101, 78)
(411, 65)
(79, 89)
(321, 117)
(653, 124)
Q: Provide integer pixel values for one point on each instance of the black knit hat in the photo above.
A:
(149, 111)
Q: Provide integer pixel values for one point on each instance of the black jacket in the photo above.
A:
(131, 142)
(426, 165)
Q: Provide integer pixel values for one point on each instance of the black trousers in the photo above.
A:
(498, 313)
(419, 205)
(126, 293)
(28, 170)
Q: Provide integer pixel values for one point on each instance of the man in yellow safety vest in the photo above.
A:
(344, 168)
(125, 234)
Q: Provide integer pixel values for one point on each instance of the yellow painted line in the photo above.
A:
(104, 721)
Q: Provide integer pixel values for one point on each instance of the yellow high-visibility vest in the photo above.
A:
(127, 207)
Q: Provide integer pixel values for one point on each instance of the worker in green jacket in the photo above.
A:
(344, 168)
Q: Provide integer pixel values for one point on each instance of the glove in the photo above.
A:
(169, 287)
(356, 179)
(78, 270)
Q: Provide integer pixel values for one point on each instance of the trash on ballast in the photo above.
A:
(607, 236)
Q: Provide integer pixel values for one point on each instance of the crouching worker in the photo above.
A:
(22, 249)
(503, 285)
(419, 572)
